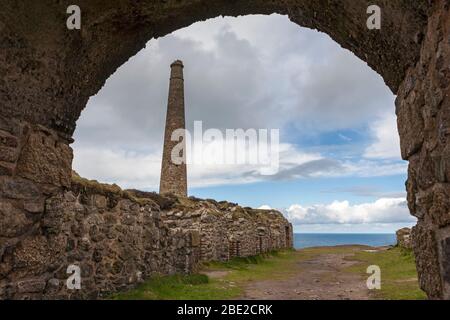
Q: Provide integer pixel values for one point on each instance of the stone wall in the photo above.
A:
(423, 110)
(119, 238)
(227, 230)
(404, 238)
(115, 239)
(35, 164)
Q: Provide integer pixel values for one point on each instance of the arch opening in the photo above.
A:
(335, 116)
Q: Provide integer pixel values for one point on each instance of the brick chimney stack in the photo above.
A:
(174, 176)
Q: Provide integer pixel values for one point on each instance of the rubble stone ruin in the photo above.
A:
(173, 175)
(48, 73)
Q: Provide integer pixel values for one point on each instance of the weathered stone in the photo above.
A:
(404, 238)
(195, 238)
(69, 196)
(6, 169)
(15, 188)
(44, 159)
(140, 249)
(97, 256)
(11, 127)
(128, 219)
(33, 254)
(423, 106)
(441, 165)
(85, 244)
(425, 250)
(8, 140)
(444, 255)
(8, 154)
(13, 222)
(53, 284)
(100, 202)
(439, 207)
(34, 206)
(31, 286)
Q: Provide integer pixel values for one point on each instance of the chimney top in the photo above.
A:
(177, 63)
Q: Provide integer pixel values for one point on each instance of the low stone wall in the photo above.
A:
(116, 241)
(227, 230)
(119, 238)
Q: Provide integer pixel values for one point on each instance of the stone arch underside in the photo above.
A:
(49, 73)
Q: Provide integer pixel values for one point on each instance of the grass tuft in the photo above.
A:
(183, 287)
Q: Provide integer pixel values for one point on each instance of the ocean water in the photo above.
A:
(305, 240)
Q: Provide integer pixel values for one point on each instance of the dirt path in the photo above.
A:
(316, 278)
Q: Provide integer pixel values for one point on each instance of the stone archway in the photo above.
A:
(49, 73)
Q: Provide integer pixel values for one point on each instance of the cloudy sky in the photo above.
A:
(340, 167)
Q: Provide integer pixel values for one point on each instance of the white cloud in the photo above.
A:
(387, 141)
(381, 211)
(374, 168)
(127, 169)
(247, 72)
(265, 207)
(131, 169)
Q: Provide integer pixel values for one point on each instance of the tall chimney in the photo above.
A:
(173, 175)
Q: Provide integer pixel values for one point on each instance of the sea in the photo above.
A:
(306, 240)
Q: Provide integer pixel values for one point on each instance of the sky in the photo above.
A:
(340, 169)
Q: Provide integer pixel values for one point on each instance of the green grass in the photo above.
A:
(274, 265)
(398, 273)
(201, 287)
(179, 287)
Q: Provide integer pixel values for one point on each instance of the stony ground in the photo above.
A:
(320, 277)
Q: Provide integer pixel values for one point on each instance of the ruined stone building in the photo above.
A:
(48, 73)
(173, 175)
